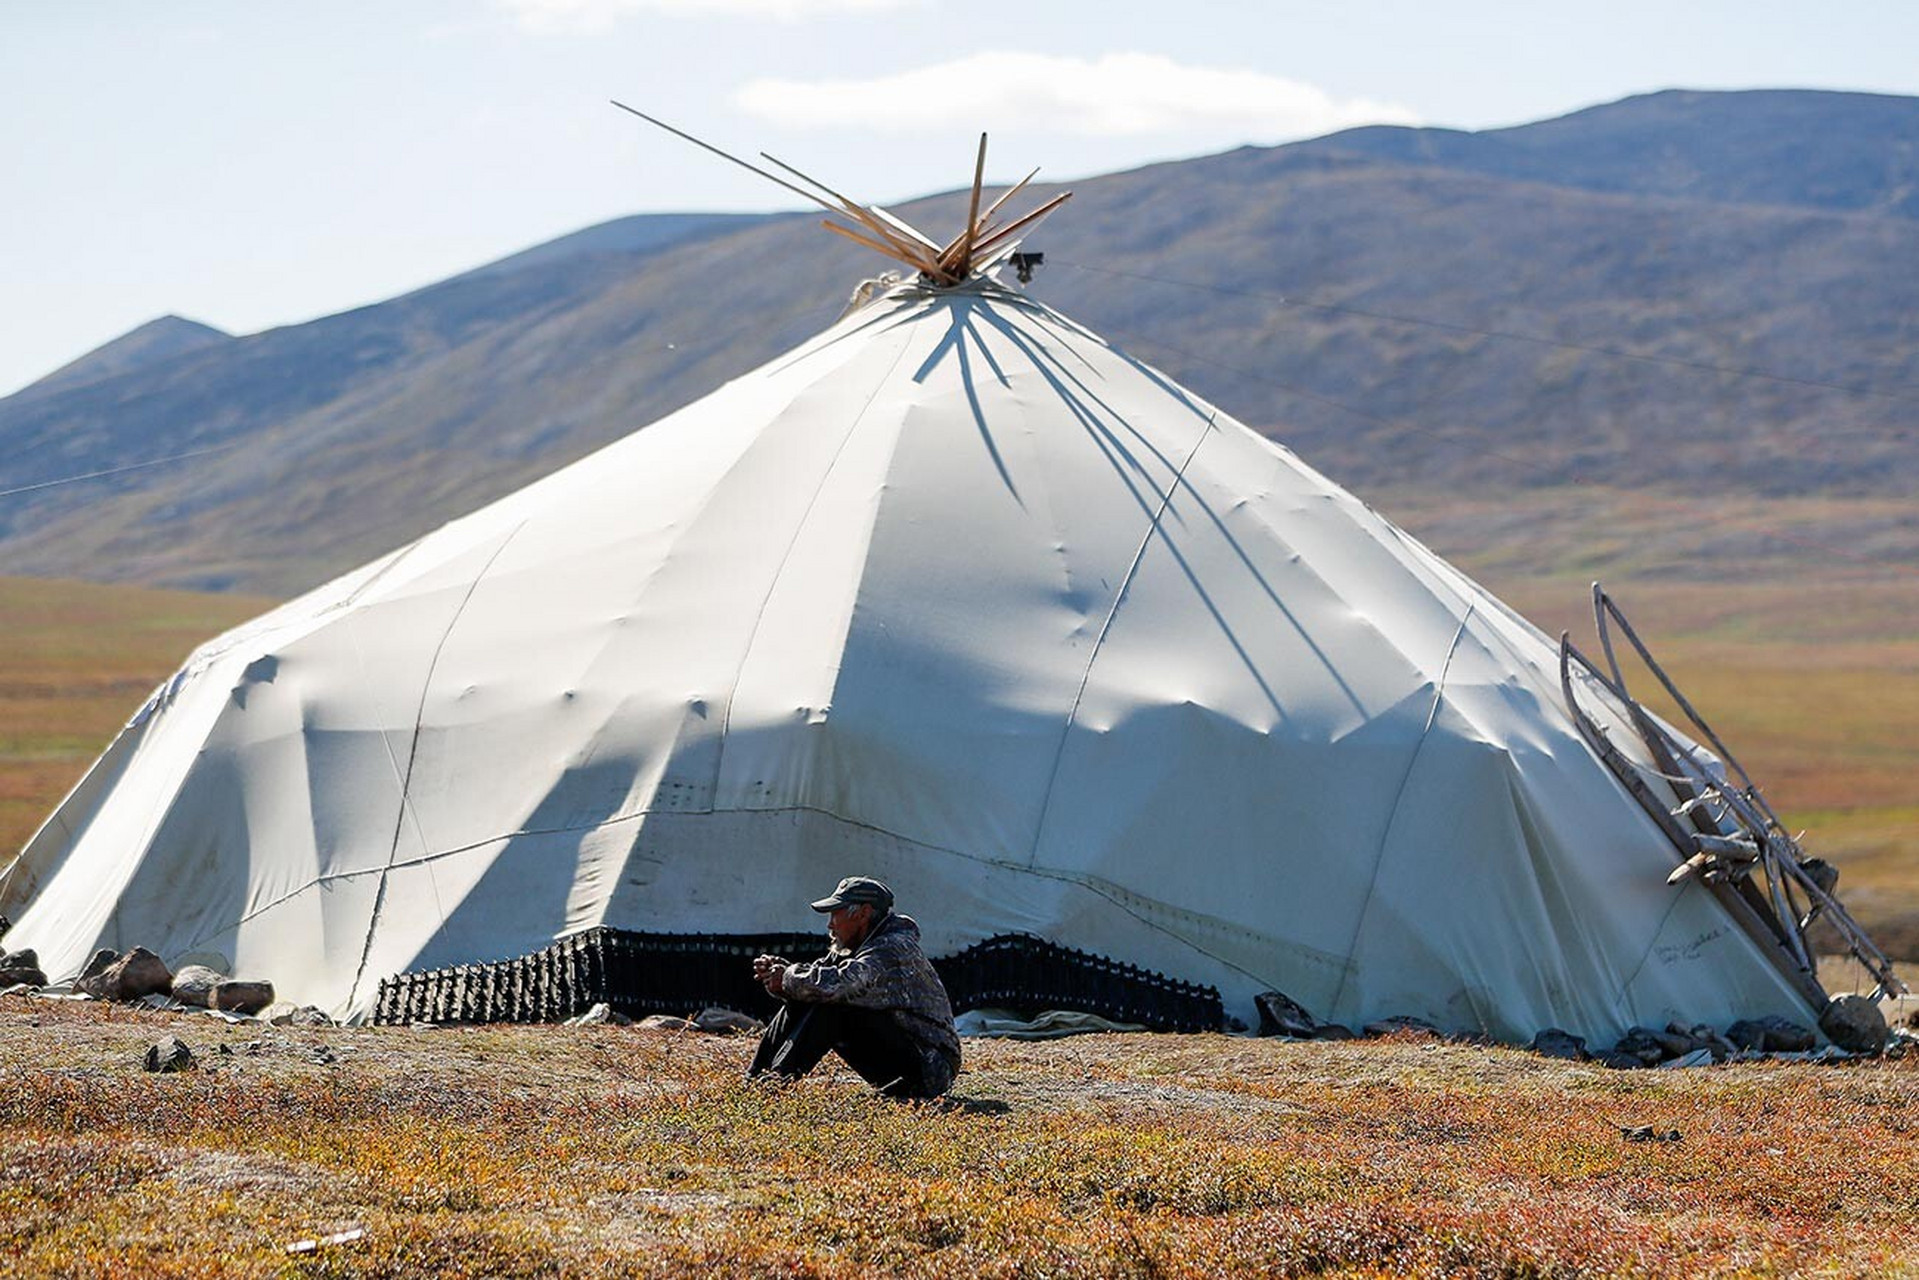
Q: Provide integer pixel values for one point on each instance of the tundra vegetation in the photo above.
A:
(583, 1151)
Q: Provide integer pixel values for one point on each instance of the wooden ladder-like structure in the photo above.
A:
(1724, 832)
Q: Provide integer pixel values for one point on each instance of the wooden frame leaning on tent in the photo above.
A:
(1723, 830)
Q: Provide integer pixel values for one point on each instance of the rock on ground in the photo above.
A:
(206, 988)
(1676, 1043)
(1554, 1043)
(1705, 1036)
(1770, 1034)
(599, 1015)
(1281, 1015)
(194, 985)
(1643, 1044)
(1855, 1024)
(168, 1054)
(726, 1022)
(285, 1013)
(18, 968)
(241, 996)
(137, 973)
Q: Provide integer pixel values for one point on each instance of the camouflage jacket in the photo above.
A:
(886, 971)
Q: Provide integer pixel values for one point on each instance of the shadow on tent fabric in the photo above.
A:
(1082, 401)
(521, 901)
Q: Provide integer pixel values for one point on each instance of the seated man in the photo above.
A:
(874, 999)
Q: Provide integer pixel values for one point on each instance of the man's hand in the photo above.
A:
(770, 972)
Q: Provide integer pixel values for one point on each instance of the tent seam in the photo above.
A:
(1625, 988)
(403, 780)
(406, 785)
(1399, 796)
(1106, 627)
(679, 530)
(773, 583)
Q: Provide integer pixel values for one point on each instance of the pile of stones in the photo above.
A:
(1281, 1015)
(1852, 1023)
(21, 969)
(712, 1020)
(139, 974)
(1650, 1047)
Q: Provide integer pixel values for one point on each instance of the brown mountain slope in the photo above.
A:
(163, 339)
(1286, 284)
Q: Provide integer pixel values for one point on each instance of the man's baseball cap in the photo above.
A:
(856, 891)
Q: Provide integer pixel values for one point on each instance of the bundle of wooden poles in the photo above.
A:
(981, 240)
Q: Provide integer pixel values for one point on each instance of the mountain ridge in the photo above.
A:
(162, 338)
(1663, 144)
(1396, 321)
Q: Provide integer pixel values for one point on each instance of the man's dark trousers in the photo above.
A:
(870, 1041)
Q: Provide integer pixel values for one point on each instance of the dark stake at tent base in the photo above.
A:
(645, 973)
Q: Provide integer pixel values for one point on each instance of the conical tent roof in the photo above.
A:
(956, 594)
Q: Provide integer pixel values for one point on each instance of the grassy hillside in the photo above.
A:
(78, 660)
(546, 1151)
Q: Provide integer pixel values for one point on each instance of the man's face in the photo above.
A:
(847, 925)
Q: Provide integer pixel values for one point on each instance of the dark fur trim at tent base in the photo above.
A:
(646, 973)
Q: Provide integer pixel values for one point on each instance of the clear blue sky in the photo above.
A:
(250, 164)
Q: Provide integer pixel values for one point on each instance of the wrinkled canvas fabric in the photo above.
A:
(888, 971)
(958, 593)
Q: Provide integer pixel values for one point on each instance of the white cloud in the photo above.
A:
(1118, 94)
(598, 15)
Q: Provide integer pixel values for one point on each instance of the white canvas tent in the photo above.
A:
(956, 594)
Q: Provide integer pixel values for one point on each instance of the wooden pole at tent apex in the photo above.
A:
(964, 261)
(885, 233)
